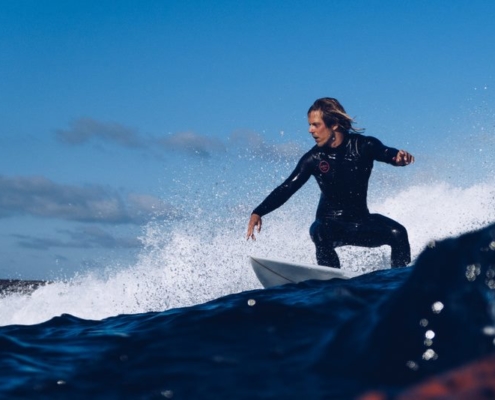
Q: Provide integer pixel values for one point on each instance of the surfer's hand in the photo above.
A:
(254, 222)
(403, 158)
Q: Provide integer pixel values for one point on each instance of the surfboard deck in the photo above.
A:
(279, 272)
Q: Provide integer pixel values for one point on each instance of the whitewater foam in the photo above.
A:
(205, 257)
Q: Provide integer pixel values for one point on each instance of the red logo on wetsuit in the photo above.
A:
(324, 167)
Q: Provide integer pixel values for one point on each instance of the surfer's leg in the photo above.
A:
(325, 250)
(327, 256)
(383, 230)
(401, 251)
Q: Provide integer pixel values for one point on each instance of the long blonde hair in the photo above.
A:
(334, 113)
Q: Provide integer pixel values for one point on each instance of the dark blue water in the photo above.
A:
(384, 330)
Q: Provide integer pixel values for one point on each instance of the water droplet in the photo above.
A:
(430, 355)
(489, 330)
(412, 365)
(472, 271)
(430, 334)
(437, 307)
(168, 394)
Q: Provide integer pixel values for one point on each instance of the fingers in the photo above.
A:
(403, 158)
(250, 234)
(254, 222)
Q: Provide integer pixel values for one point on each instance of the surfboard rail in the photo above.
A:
(273, 272)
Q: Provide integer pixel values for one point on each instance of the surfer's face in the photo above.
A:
(320, 132)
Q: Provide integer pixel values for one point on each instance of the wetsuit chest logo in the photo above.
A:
(324, 166)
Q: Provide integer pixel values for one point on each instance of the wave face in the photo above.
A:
(385, 329)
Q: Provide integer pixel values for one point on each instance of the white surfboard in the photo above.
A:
(278, 272)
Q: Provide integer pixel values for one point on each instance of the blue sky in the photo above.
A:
(110, 108)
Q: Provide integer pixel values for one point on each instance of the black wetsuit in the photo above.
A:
(342, 217)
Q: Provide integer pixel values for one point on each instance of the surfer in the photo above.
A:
(341, 162)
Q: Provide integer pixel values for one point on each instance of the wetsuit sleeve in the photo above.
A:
(291, 185)
(379, 151)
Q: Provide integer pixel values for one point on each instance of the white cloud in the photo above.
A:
(192, 143)
(83, 130)
(254, 145)
(41, 197)
(85, 237)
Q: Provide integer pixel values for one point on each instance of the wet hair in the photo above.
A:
(332, 113)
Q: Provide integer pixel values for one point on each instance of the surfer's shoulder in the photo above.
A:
(364, 141)
(310, 153)
(359, 137)
(309, 158)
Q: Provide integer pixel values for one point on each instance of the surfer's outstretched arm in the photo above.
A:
(403, 158)
(254, 222)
